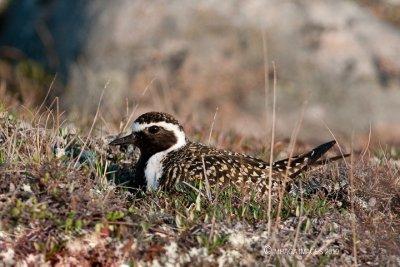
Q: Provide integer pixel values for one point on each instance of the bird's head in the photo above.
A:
(154, 132)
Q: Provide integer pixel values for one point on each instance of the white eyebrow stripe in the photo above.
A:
(137, 127)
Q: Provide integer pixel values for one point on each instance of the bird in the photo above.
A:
(169, 158)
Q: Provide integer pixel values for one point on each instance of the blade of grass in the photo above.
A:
(292, 145)
(207, 184)
(271, 155)
(92, 126)
(353, 215)
(212, 126)
(301, 219)
(337, 142)
(137, 105)
(367, 146)
(45, 98)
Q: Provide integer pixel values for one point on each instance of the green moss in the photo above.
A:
(115, 215)
(2, 156)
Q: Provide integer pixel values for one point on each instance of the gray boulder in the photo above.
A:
(189, 57)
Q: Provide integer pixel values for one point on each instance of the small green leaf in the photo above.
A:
(115, 215)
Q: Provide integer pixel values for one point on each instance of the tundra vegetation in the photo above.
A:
(68, 198)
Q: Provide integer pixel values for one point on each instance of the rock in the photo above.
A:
(194, 56)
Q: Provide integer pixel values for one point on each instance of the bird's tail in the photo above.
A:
(295, 165)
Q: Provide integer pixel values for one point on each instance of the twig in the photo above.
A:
(301, 219)
(194, 188)
(47, 95)
(212, 126)
(334, 137)
(369, 140)
(207, 184)
(292, 146)
(271, 156)
(137, 105)
(353, 215)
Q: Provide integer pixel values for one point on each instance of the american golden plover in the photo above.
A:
(168, 157)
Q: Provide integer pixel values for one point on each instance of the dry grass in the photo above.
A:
(52, 211)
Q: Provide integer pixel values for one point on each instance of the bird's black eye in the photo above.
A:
(153, 129)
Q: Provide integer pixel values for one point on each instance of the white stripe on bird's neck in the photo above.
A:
(154, 166)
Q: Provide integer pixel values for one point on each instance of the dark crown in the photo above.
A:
(152, 117)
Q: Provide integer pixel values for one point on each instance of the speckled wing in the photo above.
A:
(197, 162)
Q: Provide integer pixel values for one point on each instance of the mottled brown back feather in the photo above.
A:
(196, 162)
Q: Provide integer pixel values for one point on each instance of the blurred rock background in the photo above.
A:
(341, 58)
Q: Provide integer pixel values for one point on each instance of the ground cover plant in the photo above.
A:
(69, 198)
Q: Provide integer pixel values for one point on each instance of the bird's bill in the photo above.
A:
(129, 139)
